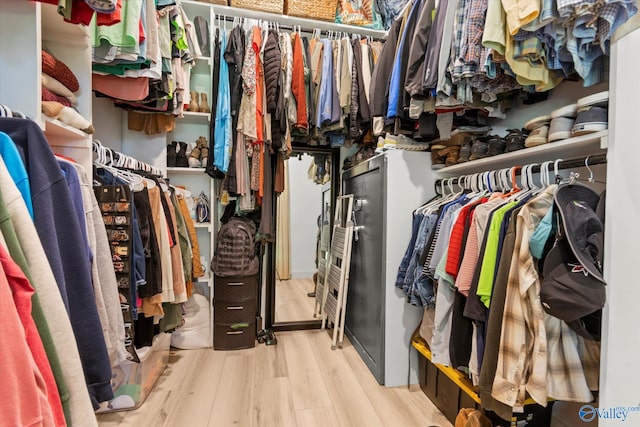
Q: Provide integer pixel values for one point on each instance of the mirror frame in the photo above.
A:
(270, 298)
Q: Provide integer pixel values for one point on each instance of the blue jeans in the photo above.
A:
(414, 268)
(404, 264)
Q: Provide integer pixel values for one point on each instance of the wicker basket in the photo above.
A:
(273, 6)
(324, 10)
(218, 2)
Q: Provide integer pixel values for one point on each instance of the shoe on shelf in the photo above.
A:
(496, 146)
(595, 119)
(465, 152)
(204, 104)
(600, 99)
(538, 136)
(533, 124)
(514, 140)
(560, 128)
(437, 162)
(479, 148)
(181, 157)
(566, 111)
(204, 153)
(450, 155)
(171, 154)
(194, 105)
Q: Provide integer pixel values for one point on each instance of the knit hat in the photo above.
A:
(59, 71)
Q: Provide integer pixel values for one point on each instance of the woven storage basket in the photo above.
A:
(324, 10)
(273, 6)
(218, 2)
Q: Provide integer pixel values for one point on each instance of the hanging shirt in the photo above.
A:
(222, 146)
(16, 168)
(324, 102)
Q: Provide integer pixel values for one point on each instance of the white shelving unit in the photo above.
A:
(584, 145)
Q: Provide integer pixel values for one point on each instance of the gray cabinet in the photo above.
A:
(379, 322)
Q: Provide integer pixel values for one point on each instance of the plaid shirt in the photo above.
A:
(522, 355)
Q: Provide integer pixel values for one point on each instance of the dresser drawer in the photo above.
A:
(235, 288)
(229, 312)
(227, 338)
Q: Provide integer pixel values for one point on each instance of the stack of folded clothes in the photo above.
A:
(59, 89)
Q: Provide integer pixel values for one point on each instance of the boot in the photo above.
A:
(203, 145)
(181, 156)
(194, 106)
(171, 154)
(194, 157)
(204, 105)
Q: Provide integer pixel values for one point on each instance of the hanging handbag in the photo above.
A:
(202, 208)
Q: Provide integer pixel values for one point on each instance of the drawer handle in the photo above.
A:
(235, 284)
(235, 333)
(235, 308)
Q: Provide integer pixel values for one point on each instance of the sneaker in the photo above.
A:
(595, 119)
(514, 140)
(380, 145)
(600, 99)
(406, 143)
(566, 111)
(560, 128)
(479, 149)
(496, 146)
(465, 152)
(537, 122)
(538, 136)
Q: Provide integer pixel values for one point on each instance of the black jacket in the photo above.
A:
(379, 89)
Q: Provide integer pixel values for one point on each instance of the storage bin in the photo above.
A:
(227, 337)
(238, 311)
(324, 10)
(272, 6)
(234, 288)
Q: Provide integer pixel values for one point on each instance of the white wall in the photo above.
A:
(306, 201)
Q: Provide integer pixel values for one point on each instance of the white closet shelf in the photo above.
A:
(55, 28)
(573, 147)
(286, 20)
(187, 170)
(72, 136)
(206, 225)
(194, 118)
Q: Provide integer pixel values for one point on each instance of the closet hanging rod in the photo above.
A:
(289, 22)
(596, 159)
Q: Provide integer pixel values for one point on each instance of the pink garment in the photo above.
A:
(22, 294)
(47, 95)
(23, 394)
(124, 88)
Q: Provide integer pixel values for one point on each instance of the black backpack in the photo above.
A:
(235, 253)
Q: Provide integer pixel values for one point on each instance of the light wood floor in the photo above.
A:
(299, 382)
(292, 302)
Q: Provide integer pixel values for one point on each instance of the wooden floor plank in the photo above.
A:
(350, 401)
(199, 392)
(317, 417)
(307, 386)
(234, 405)
(273, 404)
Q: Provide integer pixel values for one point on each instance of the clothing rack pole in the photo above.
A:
(596, 159)
(291, 22)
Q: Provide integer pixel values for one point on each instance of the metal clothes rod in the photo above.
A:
(307, 25)
(596, 159)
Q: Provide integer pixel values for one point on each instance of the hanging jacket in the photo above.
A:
(354, 124)
(272, 63)
(298, 88)
(416, 60)
(379, 89)
(432, 54)
(398, 73)
(363, 110)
